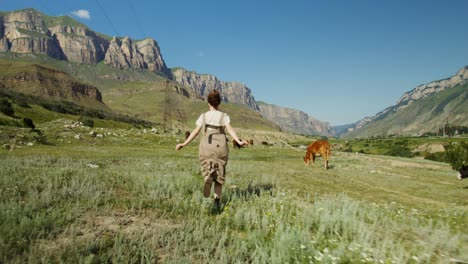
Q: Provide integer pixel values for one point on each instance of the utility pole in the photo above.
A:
(444, 128)
(167, 105)
(447, 128)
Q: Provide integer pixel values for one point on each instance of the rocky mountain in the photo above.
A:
(63, 43)
(203, 84)
(421, 110)
(342, 129)
(295, 121)
(48, 83)
(30, 31)
(234, 92)
(461, 77)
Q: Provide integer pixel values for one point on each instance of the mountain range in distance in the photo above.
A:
(128, 73)
(424, 109)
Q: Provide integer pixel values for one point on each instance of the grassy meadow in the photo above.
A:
(129, 197)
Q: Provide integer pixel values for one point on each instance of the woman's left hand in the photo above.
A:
(179, 146)
(242, 143)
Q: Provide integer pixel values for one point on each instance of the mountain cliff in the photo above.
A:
(203, 84)
(423, 109)
(29, 31)
(294, 120)
(460, 78)
(234, 92)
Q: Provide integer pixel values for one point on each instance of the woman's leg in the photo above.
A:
(217, 190)
(217, 195)
(207, 187)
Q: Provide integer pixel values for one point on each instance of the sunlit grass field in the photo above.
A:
(131, 198)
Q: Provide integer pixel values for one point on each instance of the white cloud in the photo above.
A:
(81, 13)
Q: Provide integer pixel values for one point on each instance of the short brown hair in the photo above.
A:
(214, 98)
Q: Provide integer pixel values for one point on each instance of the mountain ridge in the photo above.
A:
(203, 84)
(435, 98)
(63, 38)
(295, 121)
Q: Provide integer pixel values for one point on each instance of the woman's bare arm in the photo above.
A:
(233, 134)
(190, 138)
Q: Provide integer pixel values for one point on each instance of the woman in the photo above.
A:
(213, 151)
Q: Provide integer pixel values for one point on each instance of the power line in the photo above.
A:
(132, 9)
(108, 19)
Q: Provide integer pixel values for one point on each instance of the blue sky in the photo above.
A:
(338, 61)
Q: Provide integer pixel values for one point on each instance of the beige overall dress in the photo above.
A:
(213, 152)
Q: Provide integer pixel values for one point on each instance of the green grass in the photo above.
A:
(144, 204)
(33, 34)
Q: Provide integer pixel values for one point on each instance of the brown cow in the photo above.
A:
(318, 148)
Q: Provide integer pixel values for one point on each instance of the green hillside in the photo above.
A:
(49, 83)
(138, 93)
(148, 101)
(426, 115)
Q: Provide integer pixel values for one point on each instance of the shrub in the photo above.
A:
(94, 113)
(6, 107)
(41, 138)
(457, 155)
(348, 149)
(438, 156)
(400, 151)
(28, 123)
(9, 122)
(22, 103)
(88, 123)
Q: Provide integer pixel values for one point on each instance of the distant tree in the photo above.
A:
(6, 107)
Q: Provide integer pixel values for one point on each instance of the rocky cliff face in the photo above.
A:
(126, 53)
(234, 92)
(295, 121)
(203, 84)
(25, 32)
(79, 44)
(29, 31)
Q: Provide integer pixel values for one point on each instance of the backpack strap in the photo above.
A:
(221, 120)
(204, 123)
